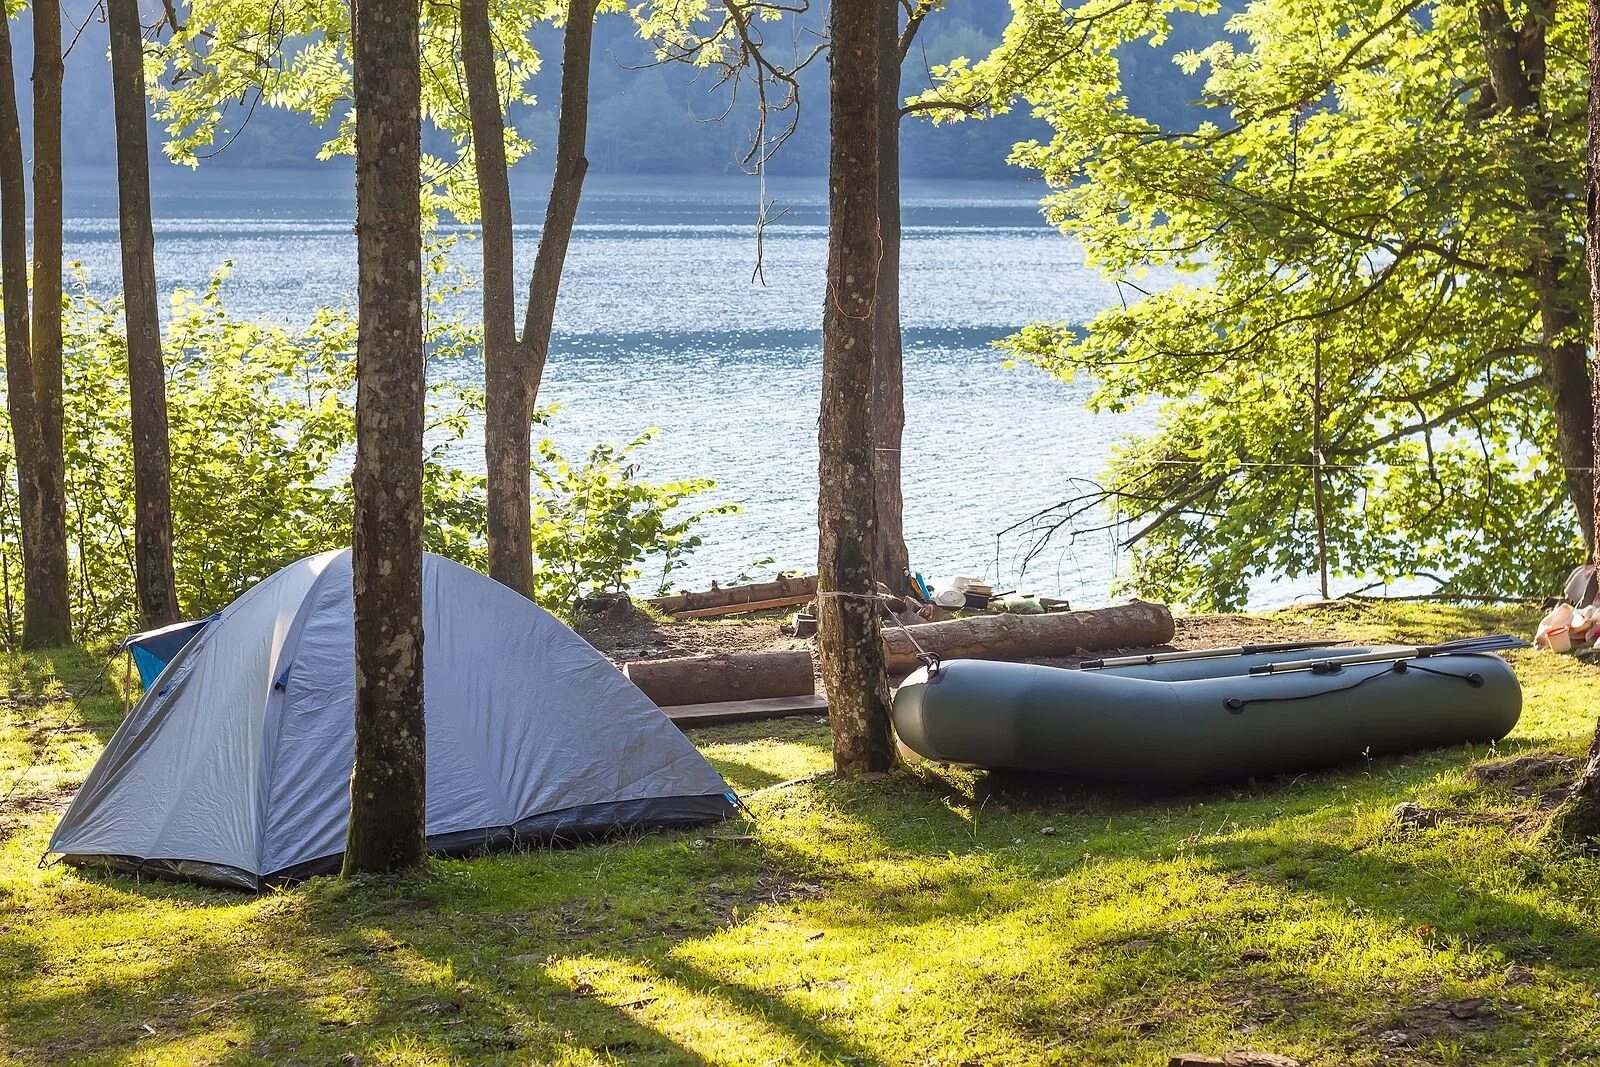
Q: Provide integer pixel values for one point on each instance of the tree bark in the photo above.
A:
(147, 375)
(508, 407)
(513, 366)
(848, 638)
(1016, 637)
(727, 676)
(1578, 818)
(46, 618)
(889, 410)
(1516, 59)
(388, 792)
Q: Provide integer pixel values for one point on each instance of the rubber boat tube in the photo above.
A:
(1194, 722)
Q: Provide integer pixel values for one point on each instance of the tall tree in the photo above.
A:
(513, 366)
(1578, 819)
(388, 792)
(848, 639)
(147, 377)
(33, 387)
(1442, 272)
(889, 404)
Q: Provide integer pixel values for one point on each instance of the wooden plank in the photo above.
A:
(687, 716)
(739, 609)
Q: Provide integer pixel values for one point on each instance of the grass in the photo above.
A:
(928, 917)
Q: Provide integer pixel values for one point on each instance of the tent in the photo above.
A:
(152, 650)
(234, 768)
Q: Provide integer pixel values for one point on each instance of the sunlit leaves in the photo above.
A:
(1351, 194)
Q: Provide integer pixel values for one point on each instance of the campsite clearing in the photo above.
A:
(930, 916)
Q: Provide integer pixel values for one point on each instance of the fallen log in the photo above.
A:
(724, 677)
(1014, 637)
(735, 594)
(740, 608)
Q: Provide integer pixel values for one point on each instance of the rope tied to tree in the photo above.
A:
(930, 660)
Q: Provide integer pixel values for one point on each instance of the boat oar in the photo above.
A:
(1201, 653)
(1463, 647)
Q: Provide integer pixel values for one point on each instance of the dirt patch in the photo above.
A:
(1427, 1023)
(1525, 775)
(18, 810)
(625, 633)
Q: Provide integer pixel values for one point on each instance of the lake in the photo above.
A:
(660, 324)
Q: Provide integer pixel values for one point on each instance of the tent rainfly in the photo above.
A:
(234, 769)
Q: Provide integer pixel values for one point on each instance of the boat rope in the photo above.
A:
(1472, 678)
(928, 659)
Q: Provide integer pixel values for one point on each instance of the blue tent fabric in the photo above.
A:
(234, 768)
(154, 649)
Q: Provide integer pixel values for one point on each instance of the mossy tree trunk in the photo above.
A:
(33, 388)
(848, 637)
(1578, 818)
(388, 789)
(513, 366)
(147, 376)
(889, 411)
(1516, 58)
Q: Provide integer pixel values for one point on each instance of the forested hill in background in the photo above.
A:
(660, 119)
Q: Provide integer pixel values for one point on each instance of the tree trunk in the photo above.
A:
(506, 435)
(388, 793)
(566, 187)
(726, 676)
(46, 618)
(1578, 818)
(147, 376)
(1019, 637)
(512, 366)
(848, 638)
(1515, 58)
(889, 408)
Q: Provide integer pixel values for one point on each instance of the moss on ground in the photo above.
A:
(931, 916)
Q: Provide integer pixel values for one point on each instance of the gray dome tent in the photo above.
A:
(235, 767)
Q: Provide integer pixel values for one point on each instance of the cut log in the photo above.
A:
(743, 606)
(736, 594)
(1014, 637)
(730, 676)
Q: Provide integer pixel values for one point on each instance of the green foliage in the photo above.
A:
(1361, 190)
(596, 522)
(261, 429)
(231, 56)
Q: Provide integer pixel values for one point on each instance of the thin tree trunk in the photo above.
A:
(513, 367)
(508, 407)
(147, 377)
(889, 409)
(566, 187)
(388, 793)
(54, 615)
(46, 618)
(848, 639)
(1578, 818)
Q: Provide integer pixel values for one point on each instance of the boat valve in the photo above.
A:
(1234, 704)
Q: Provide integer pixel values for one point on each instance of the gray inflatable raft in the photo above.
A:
(1199, 721)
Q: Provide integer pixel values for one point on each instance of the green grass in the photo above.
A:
(924, 918)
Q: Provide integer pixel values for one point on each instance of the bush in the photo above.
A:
(261, 431)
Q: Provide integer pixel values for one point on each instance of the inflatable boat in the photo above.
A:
(1196, 718)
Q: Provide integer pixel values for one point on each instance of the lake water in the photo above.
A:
(660, 325)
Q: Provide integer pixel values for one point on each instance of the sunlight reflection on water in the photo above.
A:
(660, 325)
